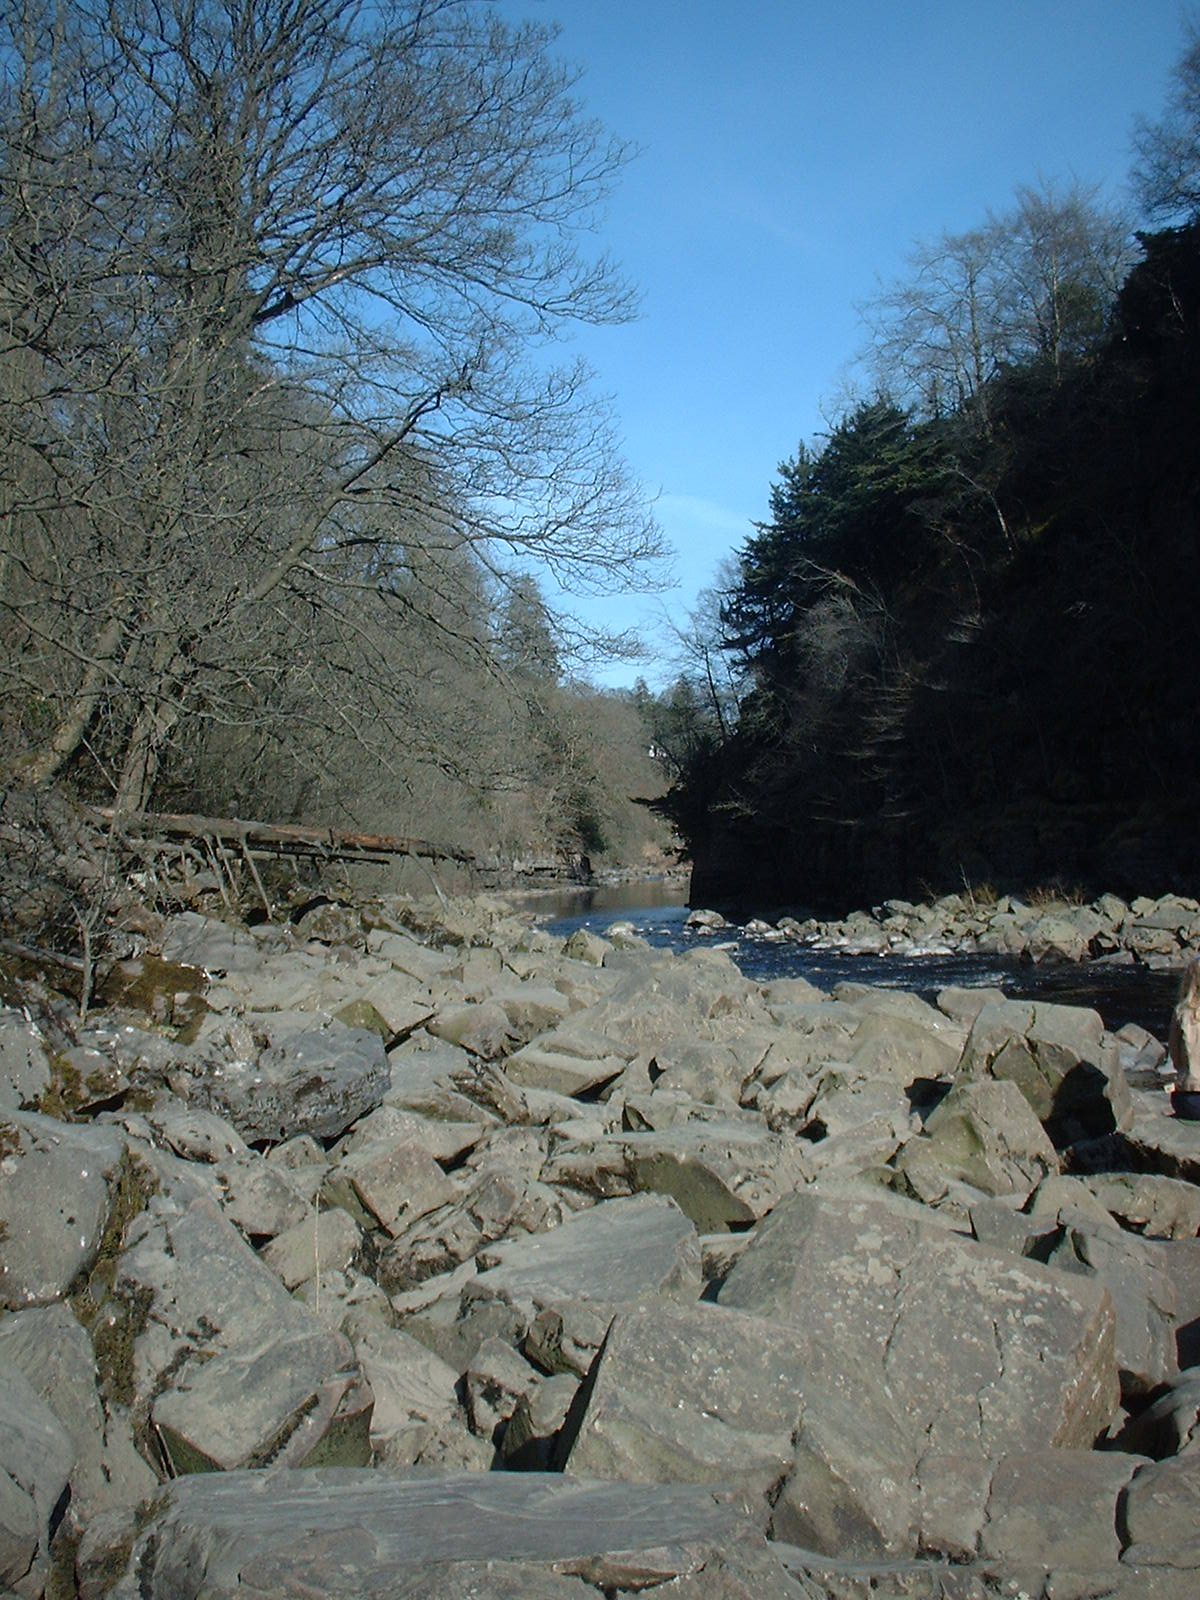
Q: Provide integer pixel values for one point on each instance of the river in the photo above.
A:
(658, 913)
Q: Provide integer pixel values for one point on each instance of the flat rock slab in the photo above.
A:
(337, 1533)
(54, 1203)
(196, 941)
(1162, 1515)
(619, 1250)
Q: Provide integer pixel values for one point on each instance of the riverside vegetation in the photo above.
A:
(397, 1248)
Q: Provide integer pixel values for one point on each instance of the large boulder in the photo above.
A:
(921, 1348)
(230, 1370)
(1062, 1061)
(56, 1182)
(315, 1076)
(983, 1133)
(36, 1458)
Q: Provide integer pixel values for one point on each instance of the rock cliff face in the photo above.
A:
(423, 1256)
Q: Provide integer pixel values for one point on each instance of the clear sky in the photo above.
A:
(791, 153)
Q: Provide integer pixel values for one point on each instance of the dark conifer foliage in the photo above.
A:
(968, 653)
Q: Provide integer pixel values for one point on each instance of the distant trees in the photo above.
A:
(276, 283)
(1166, 172)
(1031, 287)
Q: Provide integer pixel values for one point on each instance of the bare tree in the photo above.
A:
(1166, 173)
(277, 295)
(1033, 286)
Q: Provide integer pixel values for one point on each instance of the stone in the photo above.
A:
(288, 1535)
(1161, 1515)
(1155, 1207)
(388, 1184)
(1056, 1509)
(55, 1181)
(615, 1251)
(260, 1199)
(193, 1133)
(481, 1028)
(1061, 1060)
(325, 1241)
(1170, 1425)
(53, 1352)
(711, 1071)
(918, 1345)
(36, 1458)
(535, 1067)
(495, 1381)
(24, 1062)
(196, 941)
(1142, 1294)
(313, 1078)
(531, 1437)
(497, 1202)
(984, 1133)
(226, 1365)
(722, 1174)
(696, 1394)
(414, 1390)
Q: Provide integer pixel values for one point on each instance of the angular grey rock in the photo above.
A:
(415, 1393)
(721, 1174)
(983, 1133)
(226, 1365)
(36, 1457)
(1161, 1515)
(55, 1179)
(24, 1062)
(196, 941)
(325, 1241)
(1141, 1290)
(1057, 1509)
(696, 1394)
(1170, 1425)
(388, 1184)
(496, 1380)
(499, 1201)
(50, 1348)
(536, 1067)
(480, 1027)
(917, 1344)
(344, 1534)
(531, 1435)
(1155, 1207)
(313, 1078)
(617, 1251)
(195, 1134)
(260, 1198)
(1061, 1060)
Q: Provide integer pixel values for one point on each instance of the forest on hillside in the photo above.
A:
(960, 651)
(290, 451)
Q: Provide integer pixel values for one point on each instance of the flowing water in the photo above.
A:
(657, 912)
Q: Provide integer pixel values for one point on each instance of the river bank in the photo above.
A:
(407, 1247)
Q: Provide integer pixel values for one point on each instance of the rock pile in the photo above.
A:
(408, 1252)
(1156, 933)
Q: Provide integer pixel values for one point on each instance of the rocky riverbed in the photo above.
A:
(1158, 934)
(404, 1251)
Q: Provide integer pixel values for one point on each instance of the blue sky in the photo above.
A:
(791, 153)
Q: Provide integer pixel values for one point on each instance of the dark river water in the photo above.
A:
(657, 912)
